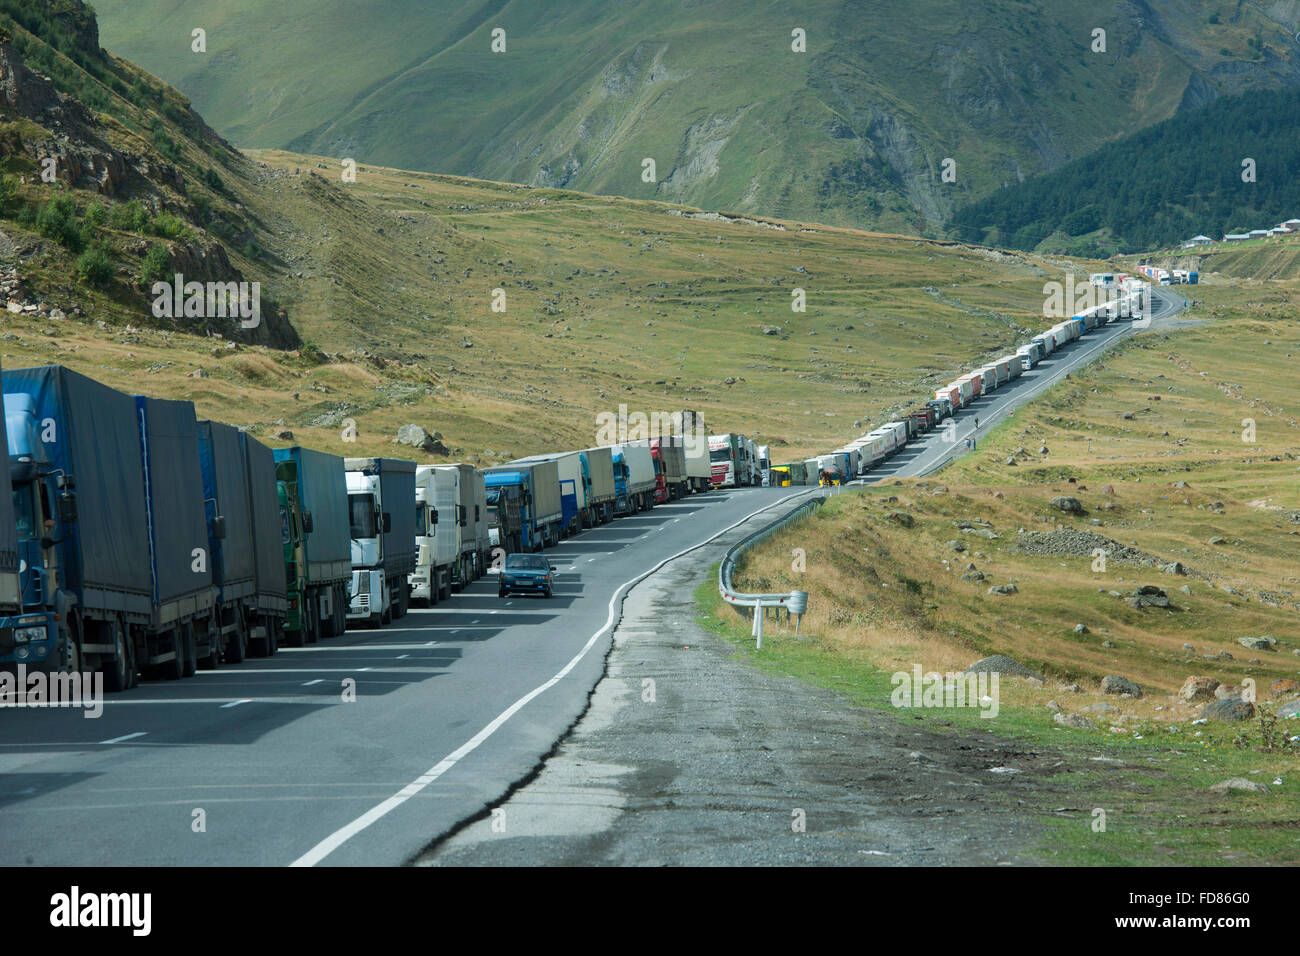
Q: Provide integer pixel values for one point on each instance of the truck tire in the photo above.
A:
(341, 609)
(444, 585)
(190, 643)
(213, 631)
(175, 668)
(117, 671)
(236, 643)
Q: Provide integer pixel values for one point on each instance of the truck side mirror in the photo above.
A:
(433, 516)
(387, 523)
(219, 527)
(67, 507)
(306, 522)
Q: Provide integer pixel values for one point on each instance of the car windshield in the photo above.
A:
(526, 562)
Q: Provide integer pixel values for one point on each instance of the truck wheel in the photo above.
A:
(213, 631)
(190, 644)
(175, 668)
(117, 672)
(312, 628)
(236, 646)
(341, 610)
(444, 587)
(386, 618)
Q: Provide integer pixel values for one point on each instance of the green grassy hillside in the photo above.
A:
(853, 131)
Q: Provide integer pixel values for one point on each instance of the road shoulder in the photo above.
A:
(689, 756)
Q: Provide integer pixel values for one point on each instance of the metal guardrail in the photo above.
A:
(795, 602)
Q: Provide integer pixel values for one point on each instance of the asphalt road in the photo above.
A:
(266, 763)
(270, 763)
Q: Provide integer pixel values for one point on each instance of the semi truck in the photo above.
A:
(437, 534)
(381, 511)
(724, 461)
(764, 462)
(316, 544)
(32, 631)
(600, 468)
(471, 525)
(505, 509)
(575, 488)
(125, 551)
(539, 486)
(241, 508)
(634, 479)
(673, 452)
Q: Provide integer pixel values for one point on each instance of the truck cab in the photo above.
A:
(30, 629)
(370, 599)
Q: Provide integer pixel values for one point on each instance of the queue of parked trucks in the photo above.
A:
(141, 540)
(859, 456)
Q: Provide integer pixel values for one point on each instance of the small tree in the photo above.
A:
(95, 267)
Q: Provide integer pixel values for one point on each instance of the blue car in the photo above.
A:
(525, 574)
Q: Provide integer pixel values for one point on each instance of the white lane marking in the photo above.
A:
(494, 612)
(345, 648)
(212, 700)
(118, 740)
(402, 657)
(364, 669)
(340, 836)
(474, 622)
(318, 680)
(236, 703)
(254, 671)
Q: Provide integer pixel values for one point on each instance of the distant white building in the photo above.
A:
(1258, 234)
(1291, 225)
(1195, 241)
(1236, 237)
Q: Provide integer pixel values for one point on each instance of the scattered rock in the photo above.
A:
(957, 546)
(417, 437)
(1003, 589)
(1283, 687)
(1148, 595)
(1002, 665)
(1197, 689)
(1114, 684)
(1075, 721)
(1257, 643)
(901, 518)
(1101, 707)
(1081, 629)
(1229, 709)
(282, 435)
(1067, 504)
(1240, 784)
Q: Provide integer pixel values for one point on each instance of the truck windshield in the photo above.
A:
(720, 454)
(361, 511)
(421, 517)
(25, 511)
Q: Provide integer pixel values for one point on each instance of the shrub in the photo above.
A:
(57, 220)
(95, 267)
(155, 266)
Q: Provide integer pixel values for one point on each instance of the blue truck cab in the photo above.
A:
(30, 630)
(515, 485)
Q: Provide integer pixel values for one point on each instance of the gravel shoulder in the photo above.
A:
(710, 764)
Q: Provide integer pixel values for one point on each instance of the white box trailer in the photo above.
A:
(437, 534)
(600, 468)
(574, 488)
(698, 471)
(855, 459)
(465, 507)
(990, 373)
